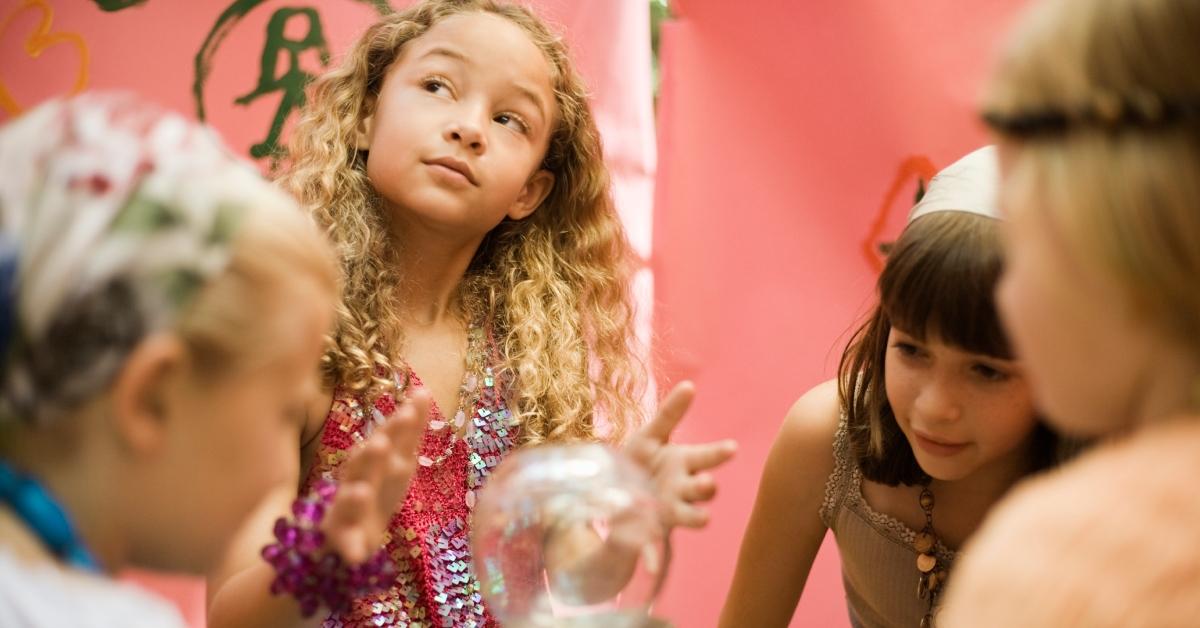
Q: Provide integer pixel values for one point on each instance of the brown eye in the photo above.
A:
(512, 122)
(435, 85)
(988, 373)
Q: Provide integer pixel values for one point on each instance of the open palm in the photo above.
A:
(373, 482)
(680, 473)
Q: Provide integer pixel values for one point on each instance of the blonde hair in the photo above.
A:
(554, 287)
(1102, 102)
(276, 255)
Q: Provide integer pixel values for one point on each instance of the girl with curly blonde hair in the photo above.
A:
(454, 161)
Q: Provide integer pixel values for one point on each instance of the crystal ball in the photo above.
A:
(570, 535)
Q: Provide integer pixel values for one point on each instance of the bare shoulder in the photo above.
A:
(1108, 540)
(786, 529)
(807, 433)
(801, 458)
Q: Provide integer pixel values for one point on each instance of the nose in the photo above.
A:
(467, 130)
(938, 401)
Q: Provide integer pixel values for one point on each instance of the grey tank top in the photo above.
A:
(879, 568)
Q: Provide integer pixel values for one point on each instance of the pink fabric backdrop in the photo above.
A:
(791, 135)
(783, 126)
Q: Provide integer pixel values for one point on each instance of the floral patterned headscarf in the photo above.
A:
(113, 214)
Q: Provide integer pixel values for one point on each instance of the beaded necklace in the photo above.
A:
(468, 394)
(933, 573)
(482, 417)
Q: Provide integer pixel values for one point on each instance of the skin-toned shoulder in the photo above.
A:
(771, 574)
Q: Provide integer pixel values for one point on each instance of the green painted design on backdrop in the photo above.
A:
(293, 79)
(112, 6)
(225, 24)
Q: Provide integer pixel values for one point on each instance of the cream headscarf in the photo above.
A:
(967, 185)
(113, 214)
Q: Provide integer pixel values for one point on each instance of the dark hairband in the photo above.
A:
(1106, 111)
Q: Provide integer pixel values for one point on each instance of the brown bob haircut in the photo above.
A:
(938, 282)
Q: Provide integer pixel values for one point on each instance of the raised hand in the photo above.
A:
(373, 482)
(680, 472)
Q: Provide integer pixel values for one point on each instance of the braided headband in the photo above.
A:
(1140, 109)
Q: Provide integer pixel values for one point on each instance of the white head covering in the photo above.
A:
(114, 214)
(967, 185)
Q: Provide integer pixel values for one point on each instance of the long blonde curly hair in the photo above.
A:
(555, 287)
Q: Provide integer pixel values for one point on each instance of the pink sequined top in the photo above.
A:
(428, 538)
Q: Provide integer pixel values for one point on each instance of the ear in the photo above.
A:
(365, 129)
(142, 392)
(536, 189)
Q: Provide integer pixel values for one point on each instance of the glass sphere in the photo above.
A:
(569, 535)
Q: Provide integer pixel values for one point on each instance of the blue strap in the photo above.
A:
(42, 514)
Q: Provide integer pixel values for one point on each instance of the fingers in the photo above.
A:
(366, 461)
(407, 424)
(683, 480)
(405, 428)
(708, 455)
(670, 412)
(373, 480)
(359, 483)
(687, 515)
(699, 488)
(342, 523)
(394, 485)
(681, 501)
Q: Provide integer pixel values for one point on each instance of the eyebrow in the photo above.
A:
(527, 92)
(446, 52)
(534, 98)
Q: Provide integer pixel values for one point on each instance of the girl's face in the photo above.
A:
(961, 412)
(1087, 355)
(236, 435)
(461, 126)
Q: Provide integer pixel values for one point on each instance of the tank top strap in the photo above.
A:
(838, 484)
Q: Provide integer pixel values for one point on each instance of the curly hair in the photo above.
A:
(555, 287)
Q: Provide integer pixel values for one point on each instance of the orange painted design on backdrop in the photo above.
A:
(42, 39)
(913, 169)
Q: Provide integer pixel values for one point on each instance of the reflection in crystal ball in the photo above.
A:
(569, 535)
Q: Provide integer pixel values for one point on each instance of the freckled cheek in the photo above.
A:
(900, 386)
(1010, 421)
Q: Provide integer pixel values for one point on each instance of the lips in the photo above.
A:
(937, 445)
(455, 165)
